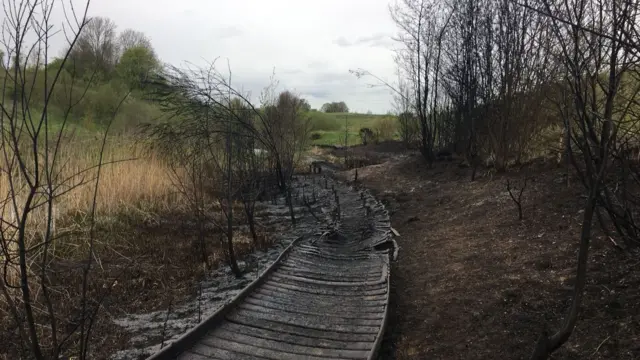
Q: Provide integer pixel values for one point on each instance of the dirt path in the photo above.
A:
(473, 282)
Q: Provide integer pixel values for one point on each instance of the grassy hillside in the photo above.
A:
(329, 128)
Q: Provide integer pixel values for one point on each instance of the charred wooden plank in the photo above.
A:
(326, 297)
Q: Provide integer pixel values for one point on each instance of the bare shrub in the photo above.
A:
(367, 136)
(408, 128)
(226, 150)
(37, 179)
(385, 128)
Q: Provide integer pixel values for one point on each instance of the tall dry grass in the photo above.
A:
(130, 180)
(132, 183)
(385, 128)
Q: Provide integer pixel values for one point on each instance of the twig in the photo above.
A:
(602, 343)
(311, 211)
(164, 326)
(199, 302)
(518, 200)
(615, 243)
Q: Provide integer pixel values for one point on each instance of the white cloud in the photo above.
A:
(311, 44)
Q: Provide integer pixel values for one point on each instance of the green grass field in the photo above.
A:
(330, 127)
(336, 138)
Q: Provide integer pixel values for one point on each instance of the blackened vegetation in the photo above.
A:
(326, 296)
(444, 155)
(489, 78)
(353, 162)
(315, 168)
(222, 149)
(367, 136)
(48, 319)
(516, 195)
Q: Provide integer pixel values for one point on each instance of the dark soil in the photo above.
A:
(370, 154)
(474, 282)
(140, 267)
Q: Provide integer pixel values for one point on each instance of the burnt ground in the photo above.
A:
(474, 282)
(146, 268)
(143, 267)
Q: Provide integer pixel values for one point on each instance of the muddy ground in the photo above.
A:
(474, 282)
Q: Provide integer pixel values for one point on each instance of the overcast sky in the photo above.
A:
(311, 44)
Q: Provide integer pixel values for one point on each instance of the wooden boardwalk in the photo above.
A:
(325, 297)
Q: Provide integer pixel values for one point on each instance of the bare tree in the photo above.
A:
(251, 165)
(591, 37)
(515, 65)
(499, 62)
(408, 127)
(34, 179)
(285, 129)
(130, 38)
(238, 140)
(422, 26)
(204, 124)
(96, 48)
(416, 20)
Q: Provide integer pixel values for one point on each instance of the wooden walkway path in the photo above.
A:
(325, 297)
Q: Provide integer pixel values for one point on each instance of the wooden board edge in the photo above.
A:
(383, 328)
(394, 231)
(189, 338)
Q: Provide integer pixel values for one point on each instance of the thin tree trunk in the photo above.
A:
(24, 279)
(290, 201)
(252, 227)
(201, 240)
(547, 345)
(233, 264)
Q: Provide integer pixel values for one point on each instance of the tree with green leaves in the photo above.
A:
(136, 65)
(304, 105)
(335, 107)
